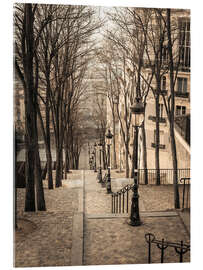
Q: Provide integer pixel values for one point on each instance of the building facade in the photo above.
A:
(182, 108)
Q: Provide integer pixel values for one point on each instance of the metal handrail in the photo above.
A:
(179, 248)
(118, 199)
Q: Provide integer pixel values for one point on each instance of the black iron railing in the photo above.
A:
(180, 248)
(186, 193)
(120, 200)
(181, 94)
(166, 176)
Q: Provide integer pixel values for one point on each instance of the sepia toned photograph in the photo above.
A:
(101, 104)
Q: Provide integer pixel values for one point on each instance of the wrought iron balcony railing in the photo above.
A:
(181, 94)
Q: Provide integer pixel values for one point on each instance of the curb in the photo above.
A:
(78, 228)
(142, 214)
(185, 222)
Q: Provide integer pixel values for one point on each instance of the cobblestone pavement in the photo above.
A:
(97, 201)
(49, 241)
(113, 241)
(47, 238)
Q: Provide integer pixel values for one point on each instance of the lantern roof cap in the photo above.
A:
(109, 135)
(137, 107)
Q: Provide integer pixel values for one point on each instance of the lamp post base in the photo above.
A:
(99, 176)
(108, 187)
(103, 184)
(135, 223)
(135, 216)
(108, 183)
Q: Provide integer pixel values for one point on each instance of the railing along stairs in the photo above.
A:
(120, 199)
(180, 248)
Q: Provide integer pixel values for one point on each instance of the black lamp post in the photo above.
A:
(88, 150)
(95, 157)
(100, 167)
(109, 136)
(89, 154)
(137, 109)
(91, 162)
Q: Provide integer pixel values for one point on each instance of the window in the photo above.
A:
(161, 109)
(161, 115)
(180, 110)
(161, 140)
(184, 42)
(183, 110)
(161, 137)
(182, 85)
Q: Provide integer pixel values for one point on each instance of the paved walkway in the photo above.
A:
(45, 238)
(109, 240)
(79, 229)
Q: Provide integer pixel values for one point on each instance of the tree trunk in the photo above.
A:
(104, 156)
(62, 164)
(127, 170)
(175, 167)
(65, 164)
(49, 169)
(46, 136)
(30, 180)
(114, 143)
(157, 164)
(48, 145)
(58, 182)
(15, 183)
(66, 154)
(144, 146)
(171, 116)
(30, 112)
(39, 184)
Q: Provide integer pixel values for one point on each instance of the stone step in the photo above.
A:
(142, 214)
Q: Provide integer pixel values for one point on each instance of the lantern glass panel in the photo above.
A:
(139, 118)
(108, 141)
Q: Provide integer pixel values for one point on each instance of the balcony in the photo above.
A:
(161, 119)
(182, 95)
(161, 146)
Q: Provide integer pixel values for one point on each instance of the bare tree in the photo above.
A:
(65, 46)
(151, 24)
(26, 64)
(128, 37)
